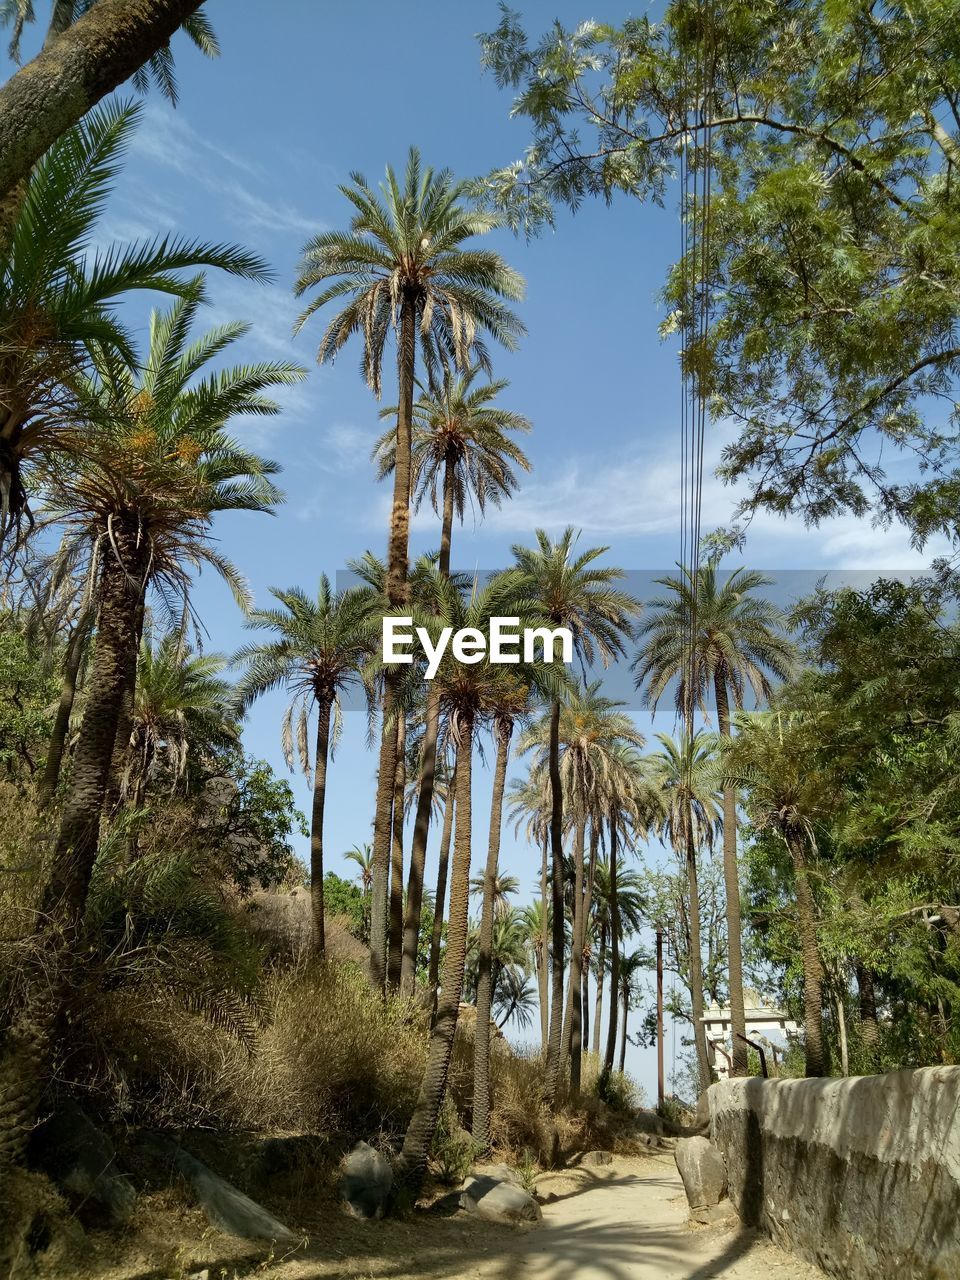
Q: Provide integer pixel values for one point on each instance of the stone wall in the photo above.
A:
(860, 1176)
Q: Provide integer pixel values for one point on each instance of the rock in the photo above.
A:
(648, 1122)
(722, 1214)
(496, 1201)
(80, 1158)
(226, 1208)
(649, 1140)
(595, 1158)
(703, 1171)
(501, 1172)
(367, 1182)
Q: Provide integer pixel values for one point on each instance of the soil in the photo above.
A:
(622, 1221)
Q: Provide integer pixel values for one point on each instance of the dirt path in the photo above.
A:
(625, 1221)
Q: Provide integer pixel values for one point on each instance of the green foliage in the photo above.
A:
(254, 820)
(29, 688)
(341, 898)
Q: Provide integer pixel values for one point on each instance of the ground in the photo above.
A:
(623, 1221)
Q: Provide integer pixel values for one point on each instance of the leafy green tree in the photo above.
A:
(831, 273)
(739, 643)
(29, 687)
(403, 267)
(321, 649)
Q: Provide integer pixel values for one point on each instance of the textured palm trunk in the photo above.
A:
(542, 972)
(446, 524)
(731, 883)
(554, 1065)
(867, 999)
(120, 761)
(73, 72)
(623, 1032)
(485, 975)
(423, 1125)
(31, 1025)
(696, 954)
(601, 966)
(815, 1051)
(73, 660)
(576, 960)
(397, 592)
(316, 826)
(585, 1001)
(443, 862)
(395, 947)
(615, 940)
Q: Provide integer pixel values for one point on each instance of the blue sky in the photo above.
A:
(305, 93)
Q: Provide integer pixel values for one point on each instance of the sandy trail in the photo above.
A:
(624, 1221)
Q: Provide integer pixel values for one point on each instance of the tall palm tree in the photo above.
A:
(686, 773)
(156, 468)
(568, 589)
(180, 700)
(631, 966)
(58, 297)
(321, 648)
(461, 449)
(502, 889)
(739, 643)
(630, 908)
(530, 809)
(591, 729)
(770, 758)
(403, 267)
(362, 855)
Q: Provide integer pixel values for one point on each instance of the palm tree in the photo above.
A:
(631, 966)
(691, 820)
(591, 729)
(569, 590)
(362, 855)
(403, 266)
(180, 700)
(739, 643)
(629, 907)
(530, 808)
(321, 648)
(770, 758)
(58, 297)
(157, 467)
(502, 889)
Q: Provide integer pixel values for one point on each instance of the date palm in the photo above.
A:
(686, 774)
(403, 269)
(318, 650)
(568, 589)
(58, 297)
(629, 906)
(530, 810)
(769, 758)
(740, 643)
(632, 966)
(140, 500)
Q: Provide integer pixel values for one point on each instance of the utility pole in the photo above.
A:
(660, 1020)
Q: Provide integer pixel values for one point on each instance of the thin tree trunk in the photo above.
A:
(433, 971)
(316, 827)
(815, 1051)
(554, 1059)
(383, 839)
(118, 779)
(418, 847)
(623, 1033)
(576, 961)
(867, 999)
(739, 1065)
(73, 72)
(485, 984)
(73, 660)
(395, 947)
(446, 524)
(842, 1033)
(616, 938)
(696, 955)
(29, 1031)
(543, 971)
(423, 1125)
(585, 1001)
(601, 966)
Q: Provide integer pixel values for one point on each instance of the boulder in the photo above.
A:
(228, 1209)
(81, 1159)
(593, 1159)
(704, 1173)
(501, 1172)
(367, 1181)
(497, 1201)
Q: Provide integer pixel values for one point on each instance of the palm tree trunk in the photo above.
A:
(623, 1032)
(433, 971)
(418, 848)
(30, 1027)
(576, 961)
(395, 946)
(120, 759)
(554, 1058)
(73, 660)
(446, 525)
(815, 1050)
(383, 840)
(696, 955)
(585, 1002)
(616, 938)
(601, 966)
(423, 1125)
(867, 999)
(485, 983)
(316, 826)
(542, 977)
(739, 1065)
